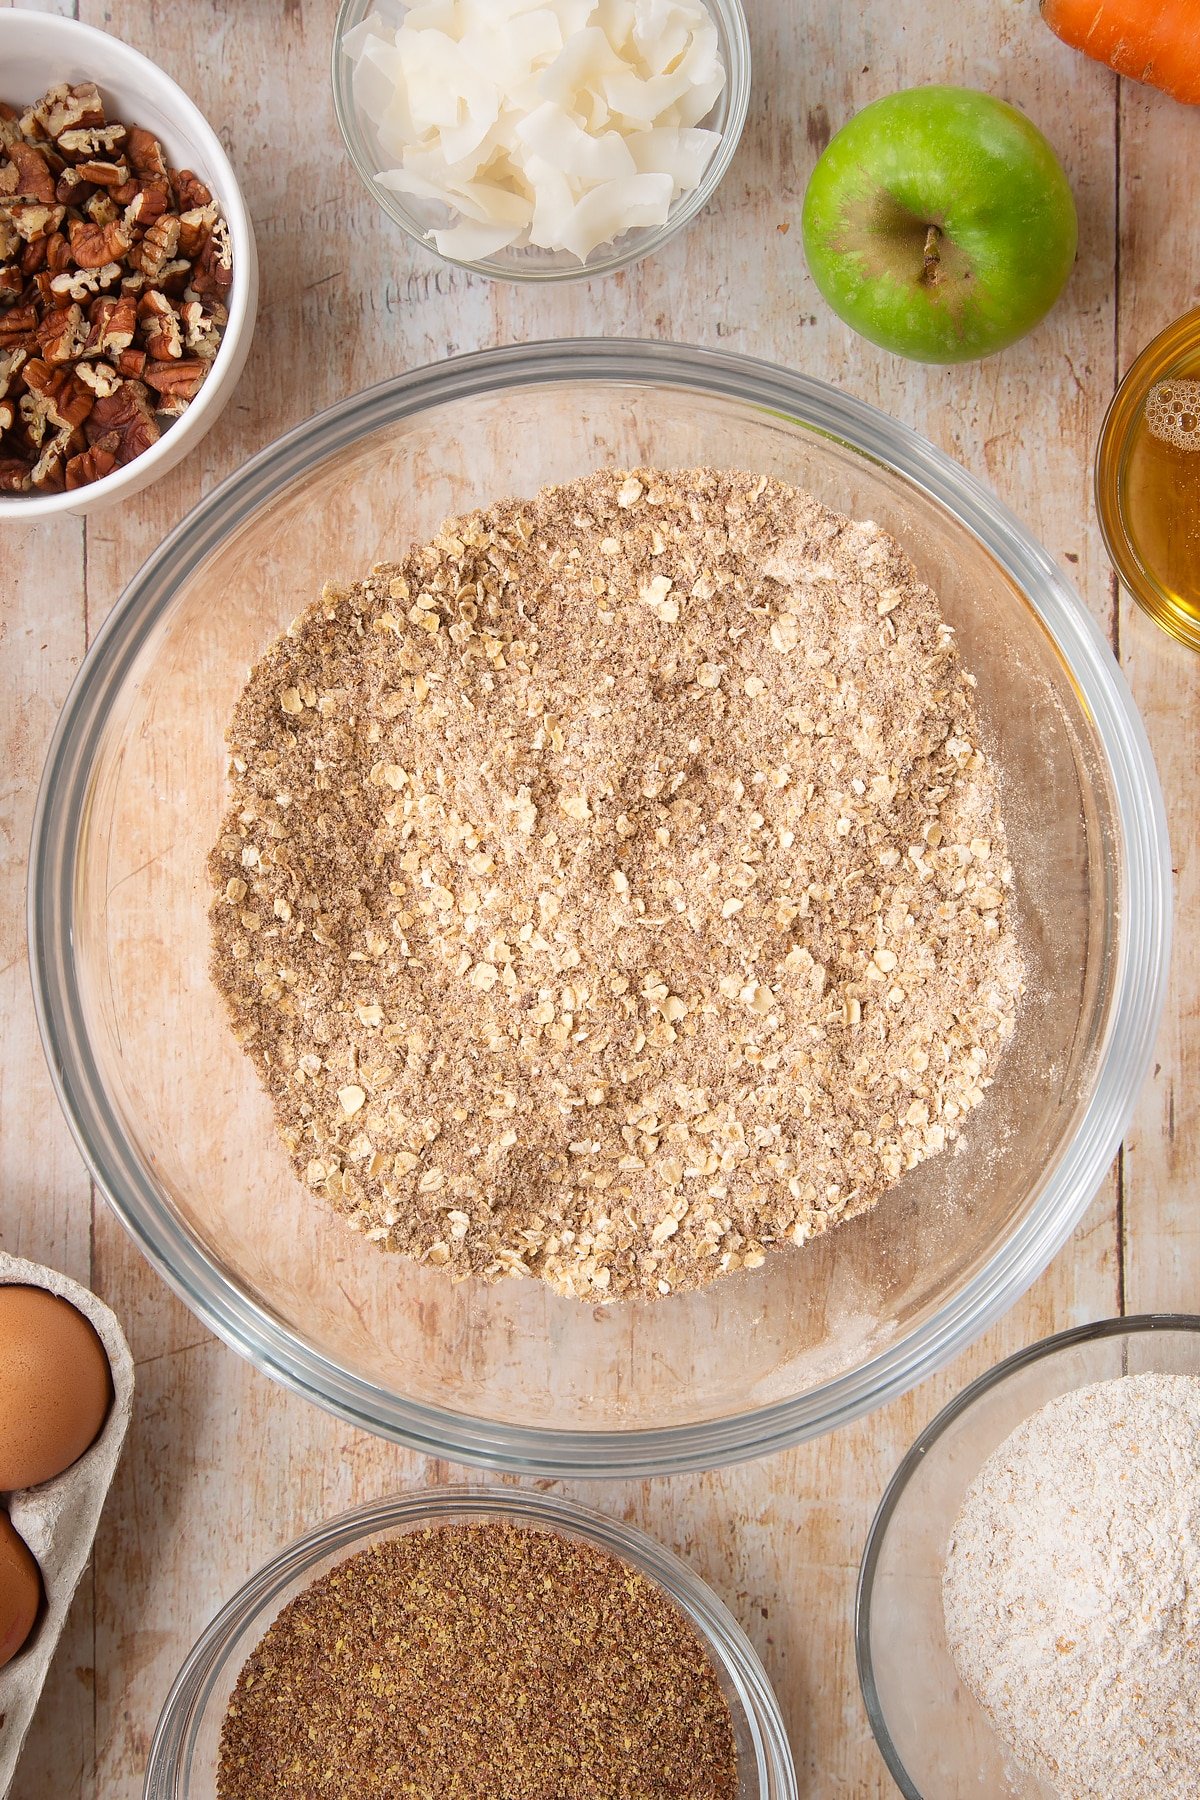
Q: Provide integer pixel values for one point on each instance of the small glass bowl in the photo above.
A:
(935, 1738)
(183, 1756)
(419, 218)
(1173, 354)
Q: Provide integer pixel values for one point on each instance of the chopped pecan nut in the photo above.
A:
(18, 327)
(94, 245)
(33, 219)
(101, 377)
(150, 201)
(14, 475)
(190, 191)
(48, 472)
(101, 208)
(62, 334)
(12, 283)
(132, 364)
(93, 141)
(90, 465)
(67, 400)
(113, 322)
(158, 247)
(201, 333)
(145, 153)
(11, 364)
(159, 325)
(9, 237)
(65, 108)
(176, 382)
(122, 422)
(78, 284)
(195, 229)
(103, 174)
(35, 178)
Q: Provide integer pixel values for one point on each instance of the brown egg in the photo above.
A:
(20, 1591)
(55, 1386)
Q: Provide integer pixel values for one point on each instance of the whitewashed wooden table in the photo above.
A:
(222, 1466)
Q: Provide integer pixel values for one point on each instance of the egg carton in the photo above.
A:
(59, 1519)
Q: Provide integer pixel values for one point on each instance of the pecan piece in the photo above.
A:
(14, 476)
(201, 333)
(157, 248)
(94, 245)
(19, 327)
(113, 321)
(48, 472)
(103, 174)
(62, 334)
(159, 326)
(78, 284)
(132, 364)
(35, 178)
(150, 201)
(67, 108)
(90, 465)
(92, 141)
(123, 423)
(101, 208)
(12, 283)
(195, 229)
(9, 236)
(33, 219)
(190, 191)
(11, 364)
(176, 383)
(101, 377)
(145, 153)
(66, 399)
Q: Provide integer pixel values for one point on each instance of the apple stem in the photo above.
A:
(932, 268)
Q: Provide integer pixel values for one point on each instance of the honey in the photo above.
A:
(1148, 480)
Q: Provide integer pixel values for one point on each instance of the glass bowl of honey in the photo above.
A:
(1148, 479)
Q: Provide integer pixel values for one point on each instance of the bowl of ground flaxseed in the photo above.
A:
(472, 1642)
(599, 907)
(1028, 1620)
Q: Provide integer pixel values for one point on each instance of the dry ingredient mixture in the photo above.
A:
(1072, 1590)
(616, 888)
(484, 1661)
(114, 274)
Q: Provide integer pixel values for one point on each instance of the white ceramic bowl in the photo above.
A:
(38, 49)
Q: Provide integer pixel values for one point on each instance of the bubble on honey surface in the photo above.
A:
(1173, 413)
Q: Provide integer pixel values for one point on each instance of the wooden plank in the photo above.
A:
(1160, 144)
(223, 1466)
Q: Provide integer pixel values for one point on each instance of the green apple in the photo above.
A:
(939, 223)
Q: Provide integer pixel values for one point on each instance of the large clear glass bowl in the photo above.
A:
(183, 1757)
(936, 1739)
(170, 1115)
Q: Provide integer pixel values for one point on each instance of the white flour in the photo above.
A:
(1072, 1590)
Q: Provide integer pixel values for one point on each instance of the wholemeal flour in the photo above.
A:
(1072, 1590)
(616, 887)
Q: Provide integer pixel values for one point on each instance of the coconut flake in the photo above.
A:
(555, 123)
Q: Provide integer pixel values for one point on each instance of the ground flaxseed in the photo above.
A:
(479, 1662)
(616, 888)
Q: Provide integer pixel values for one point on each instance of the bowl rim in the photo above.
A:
(633, 245)
(1175, 342)
(1139, 956)
(185, 432)
(1133, 1325)
(726, 1641)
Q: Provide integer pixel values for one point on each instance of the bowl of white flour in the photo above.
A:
(1029, 1605)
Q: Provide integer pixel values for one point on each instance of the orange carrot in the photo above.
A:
(1150, 40)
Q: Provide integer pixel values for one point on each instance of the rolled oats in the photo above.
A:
(639, 895)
